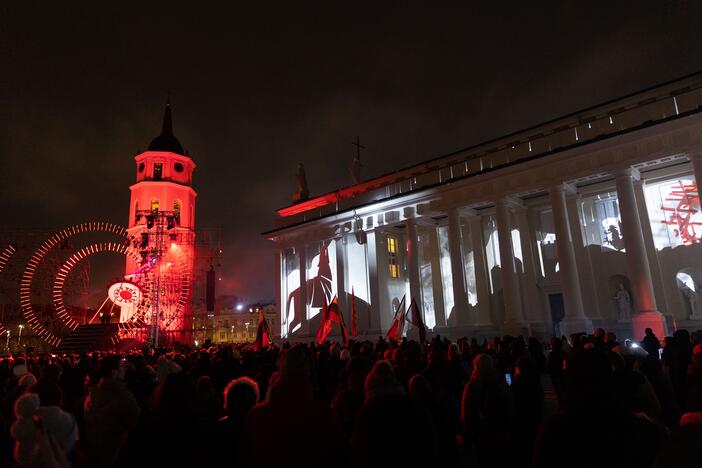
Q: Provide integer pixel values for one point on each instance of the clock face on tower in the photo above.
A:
(178, 167)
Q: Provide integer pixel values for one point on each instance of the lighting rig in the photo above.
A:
(159, 224)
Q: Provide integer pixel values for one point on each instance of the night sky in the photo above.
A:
(259, 87)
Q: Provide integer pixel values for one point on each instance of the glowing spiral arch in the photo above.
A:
(5, 256)
(136, 320)
(38, 257)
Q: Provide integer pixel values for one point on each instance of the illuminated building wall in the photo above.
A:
(164, 184)
(544, 231)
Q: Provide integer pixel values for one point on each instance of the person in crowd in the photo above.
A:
(44, 435)
(110, 411)
(528, 396)
(650, 342)
(47, 387)
(386, 402)
(240, 396)
(293, 419)
(486, 414)
(350, 394)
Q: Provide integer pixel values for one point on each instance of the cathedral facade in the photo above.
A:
(589, 220)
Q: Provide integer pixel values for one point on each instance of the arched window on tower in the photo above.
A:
(154, 205)
(176, 210)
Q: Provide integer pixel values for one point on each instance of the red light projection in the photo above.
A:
(683, 206)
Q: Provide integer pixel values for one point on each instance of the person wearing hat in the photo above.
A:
(36, 427)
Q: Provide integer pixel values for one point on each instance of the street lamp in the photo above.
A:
(248, 338)
(19, 337)
(7, 344)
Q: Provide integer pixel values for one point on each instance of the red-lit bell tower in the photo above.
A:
(162, 221)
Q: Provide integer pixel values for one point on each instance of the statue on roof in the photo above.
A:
(302, 193)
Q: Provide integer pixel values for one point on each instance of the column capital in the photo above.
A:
(509, 202)
(568, 189)
(627, 172)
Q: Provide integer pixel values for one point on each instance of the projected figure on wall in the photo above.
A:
(614, 237)
(317, 288)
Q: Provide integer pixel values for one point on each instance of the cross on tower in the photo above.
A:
(356, 166)
(359, 147)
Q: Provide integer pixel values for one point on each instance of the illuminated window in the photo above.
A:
(394, 270)
(154, 205)
(158, 171)
(392, 245)
(392, 257)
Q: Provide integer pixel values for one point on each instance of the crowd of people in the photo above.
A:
(585, 400)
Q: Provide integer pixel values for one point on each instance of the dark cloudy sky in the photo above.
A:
(260, 86)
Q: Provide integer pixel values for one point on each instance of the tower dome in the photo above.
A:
(166, 141)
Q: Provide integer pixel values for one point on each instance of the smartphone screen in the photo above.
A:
(508, 378)
(660, 353)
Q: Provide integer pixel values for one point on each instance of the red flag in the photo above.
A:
(325, 325)
(336, 315)
(354, 316)
(415, 318)
(398, 322)
(263, 333)
(332, 314)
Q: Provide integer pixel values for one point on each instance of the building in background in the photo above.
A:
(592, 219)
(236, 322)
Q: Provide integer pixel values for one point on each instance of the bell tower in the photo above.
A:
(162, 220)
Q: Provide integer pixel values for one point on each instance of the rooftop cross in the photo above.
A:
(356, 166)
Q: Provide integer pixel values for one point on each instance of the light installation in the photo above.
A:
(136, 291)
(5, 256)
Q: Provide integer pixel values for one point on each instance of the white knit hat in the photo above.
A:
(19, 370)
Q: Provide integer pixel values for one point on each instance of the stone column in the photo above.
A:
(482, 282)
(589, 290)
(374, 323)
(460, 297)
(646, 314)
(530, 294)
(340, 279)
(413, 264)
(510, 279)
(656, 275)
(574, 320)
(305, 328)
